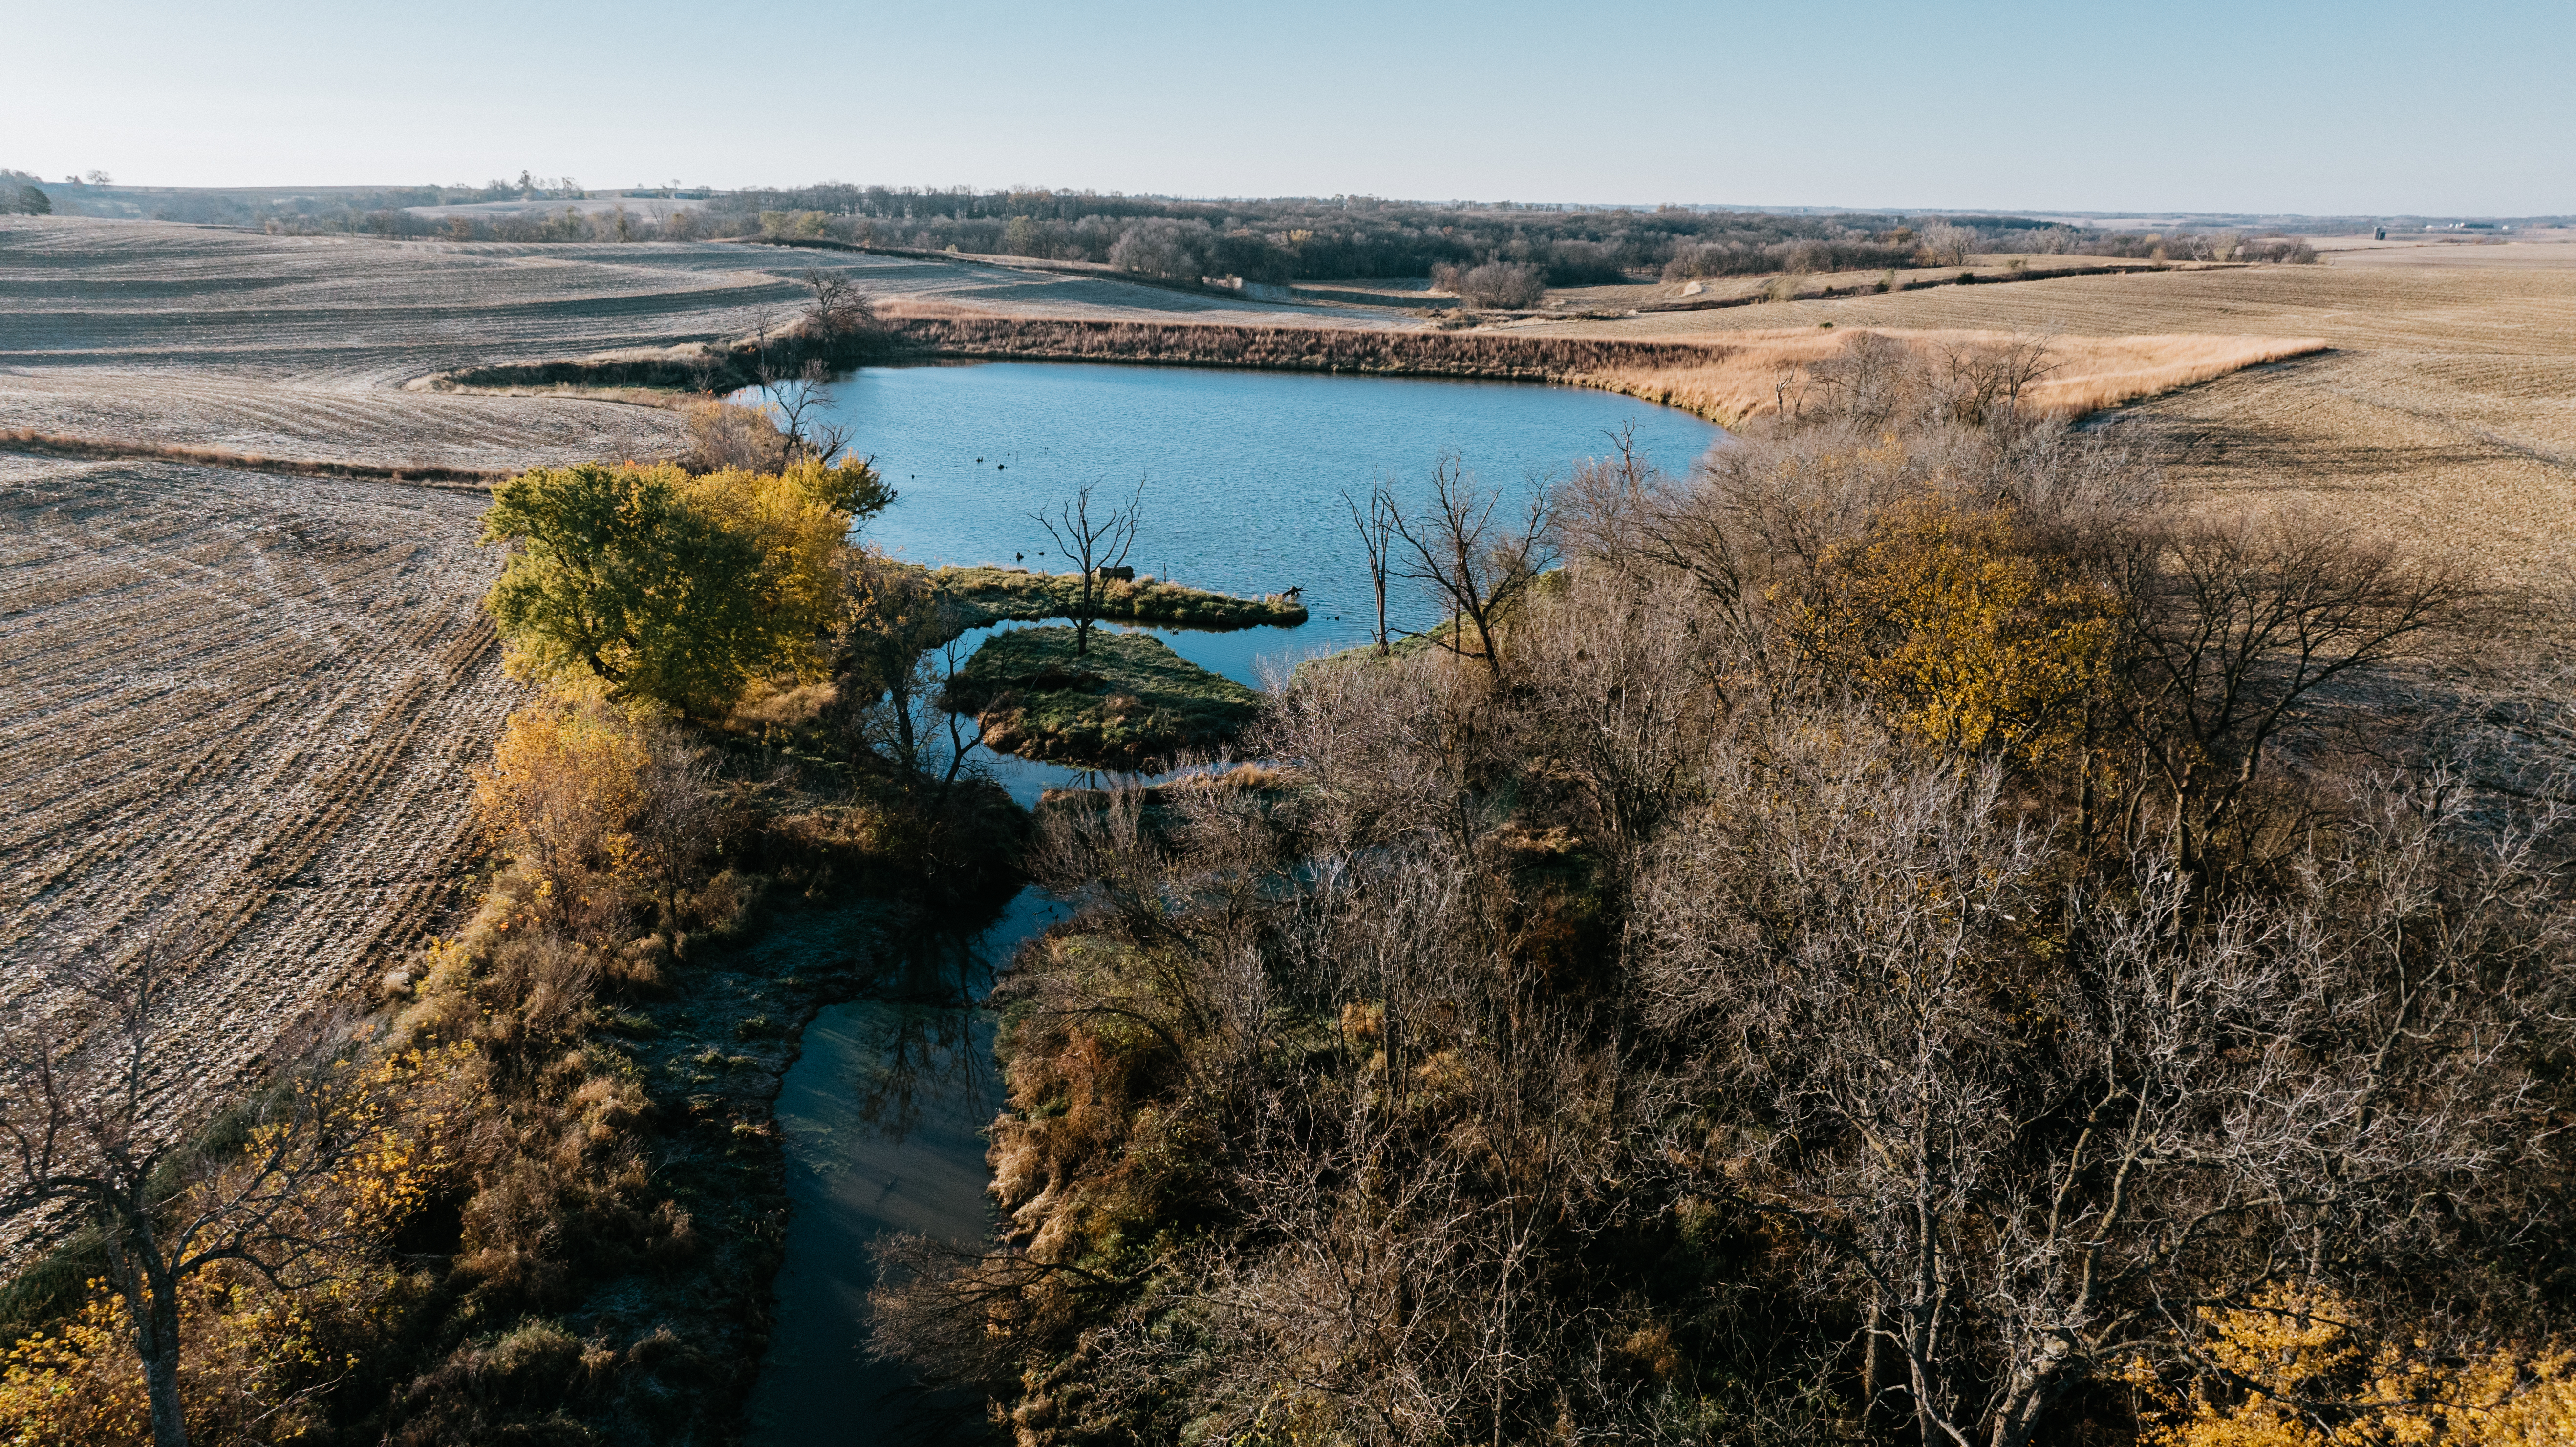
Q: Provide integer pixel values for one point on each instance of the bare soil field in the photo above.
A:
(2550, 250)
(242, 704)
(2444, 412)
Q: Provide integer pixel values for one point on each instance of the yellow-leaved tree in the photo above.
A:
(2297, 1374)
(670, 589)
(1973, 637)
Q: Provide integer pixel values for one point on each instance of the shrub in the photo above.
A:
(564, 787)
(1508, 285)
(723, 435)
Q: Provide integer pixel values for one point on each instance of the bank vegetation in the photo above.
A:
(1904, 936)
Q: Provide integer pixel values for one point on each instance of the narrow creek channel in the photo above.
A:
(883, 1117)
(1243, 476)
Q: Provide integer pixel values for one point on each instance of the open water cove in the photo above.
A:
(1243, 475)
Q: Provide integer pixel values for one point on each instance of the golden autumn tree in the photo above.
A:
(670, 589)
(1971, 636)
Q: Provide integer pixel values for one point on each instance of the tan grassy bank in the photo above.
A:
(1746, 375)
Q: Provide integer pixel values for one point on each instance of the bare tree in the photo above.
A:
(1601, 510)
(1376, 527)
(1986, 382)
(2208, 1109)
(1094, 544)
(1477, 568)
(902, 640)
(88, 1125)
(1863, 385)
(2237, 627)
(679, 817)
(1948, 245)
(801, 401)
(838, 309)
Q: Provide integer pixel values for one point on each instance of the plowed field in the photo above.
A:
(244, 702)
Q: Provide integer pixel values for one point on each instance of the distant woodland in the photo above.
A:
(1269, 241)
(1355, 236)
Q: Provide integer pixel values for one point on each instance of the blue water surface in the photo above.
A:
(1243, 472)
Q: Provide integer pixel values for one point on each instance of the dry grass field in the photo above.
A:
(1723, 289)
(2443, 411)
(1752, 373)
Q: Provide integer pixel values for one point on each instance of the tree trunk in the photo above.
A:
(159, 1340)
(151, 1294)
(1869, 1361)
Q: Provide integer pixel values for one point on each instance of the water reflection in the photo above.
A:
(883, 1116)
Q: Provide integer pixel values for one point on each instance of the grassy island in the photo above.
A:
(991, 595)
(1130, 702)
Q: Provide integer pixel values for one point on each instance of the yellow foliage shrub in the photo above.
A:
(563, 790)
(1971, 638)
(2314, 1385)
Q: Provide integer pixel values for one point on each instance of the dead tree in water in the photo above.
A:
(1094, 544)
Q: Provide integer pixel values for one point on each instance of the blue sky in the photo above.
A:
(2357, 107)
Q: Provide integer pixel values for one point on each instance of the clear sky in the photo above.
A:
(2362, 106)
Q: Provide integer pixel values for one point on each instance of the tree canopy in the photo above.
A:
(672, 589)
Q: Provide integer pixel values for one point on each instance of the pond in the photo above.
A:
(1242, 472)
(1243, 475)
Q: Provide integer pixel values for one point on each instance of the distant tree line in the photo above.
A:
(1295, 239)
(1271, 241)
(1289, 239)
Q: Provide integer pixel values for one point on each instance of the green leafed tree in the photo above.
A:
(667, 588)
